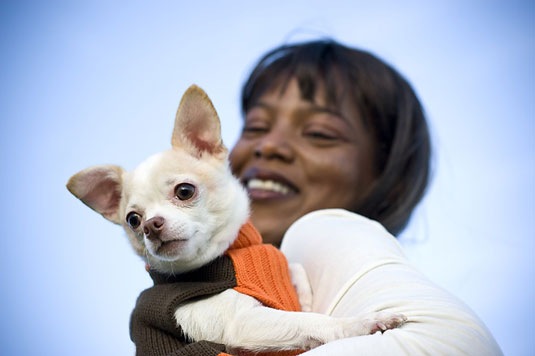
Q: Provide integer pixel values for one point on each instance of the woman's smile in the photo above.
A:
(263, 184)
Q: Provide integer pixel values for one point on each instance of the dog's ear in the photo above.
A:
(197, 127)
(100, 188)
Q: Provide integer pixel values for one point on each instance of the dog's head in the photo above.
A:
(181, 208)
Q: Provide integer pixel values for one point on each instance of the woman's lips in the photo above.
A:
(264, 184)
(267, 189)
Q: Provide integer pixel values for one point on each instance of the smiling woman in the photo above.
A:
(327, 126)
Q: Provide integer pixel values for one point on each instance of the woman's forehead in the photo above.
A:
(274, 96)
(314, 93)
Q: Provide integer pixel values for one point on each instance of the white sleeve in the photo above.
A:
(355, 266)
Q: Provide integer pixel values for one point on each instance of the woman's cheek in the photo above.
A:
(238, 156)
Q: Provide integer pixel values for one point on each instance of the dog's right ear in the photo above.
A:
(100, 188)
(197, 127)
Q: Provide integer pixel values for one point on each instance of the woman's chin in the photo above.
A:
(271, 229)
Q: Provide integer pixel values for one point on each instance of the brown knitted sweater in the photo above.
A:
(250, 267)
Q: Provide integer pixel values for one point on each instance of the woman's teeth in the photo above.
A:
(268, 185)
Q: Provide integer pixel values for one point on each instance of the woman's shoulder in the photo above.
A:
(335, 213)
(339, 230)
(337, 248)
(355, 266)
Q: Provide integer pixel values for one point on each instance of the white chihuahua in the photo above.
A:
(183, 209)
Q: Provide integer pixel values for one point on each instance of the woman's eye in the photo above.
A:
(255, 128)
(320, 135)
(184, 191)
(134, 220)
(256, 121)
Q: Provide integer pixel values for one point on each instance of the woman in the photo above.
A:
(331, 131)
(327, 126)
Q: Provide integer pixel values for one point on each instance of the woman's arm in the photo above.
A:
(355, 266)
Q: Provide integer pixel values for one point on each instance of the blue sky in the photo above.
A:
(86, 83)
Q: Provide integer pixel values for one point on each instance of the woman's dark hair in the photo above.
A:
(387, 105)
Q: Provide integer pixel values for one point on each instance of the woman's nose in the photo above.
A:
(274, 145)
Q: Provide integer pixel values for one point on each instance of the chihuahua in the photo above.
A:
(182, 209)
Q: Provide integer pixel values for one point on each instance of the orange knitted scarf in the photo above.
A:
(262, 272)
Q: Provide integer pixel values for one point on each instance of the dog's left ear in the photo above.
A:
(100, 188)
(197, 127)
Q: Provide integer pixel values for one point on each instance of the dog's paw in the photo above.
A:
(371, 323)
(382, 321)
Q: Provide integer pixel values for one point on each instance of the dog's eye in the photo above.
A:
(134, 220)
(184, 191)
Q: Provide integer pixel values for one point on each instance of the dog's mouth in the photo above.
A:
(168, 248)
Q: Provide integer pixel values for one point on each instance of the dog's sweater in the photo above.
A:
(248, 266)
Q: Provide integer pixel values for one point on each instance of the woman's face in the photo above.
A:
(295, 156)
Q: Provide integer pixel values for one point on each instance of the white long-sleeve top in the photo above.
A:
(355, 266)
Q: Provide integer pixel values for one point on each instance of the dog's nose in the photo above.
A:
(153, 227)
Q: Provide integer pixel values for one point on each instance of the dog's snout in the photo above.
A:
(153, 227)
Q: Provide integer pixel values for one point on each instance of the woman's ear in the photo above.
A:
(197, 127)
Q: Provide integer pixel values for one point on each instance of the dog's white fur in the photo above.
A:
(207, 224)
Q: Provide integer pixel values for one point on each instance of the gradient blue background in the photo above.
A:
(85, 83)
